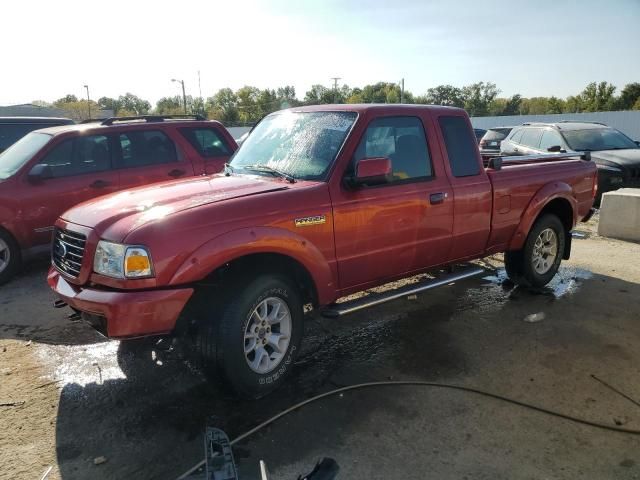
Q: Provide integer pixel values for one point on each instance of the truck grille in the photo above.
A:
(67, 251)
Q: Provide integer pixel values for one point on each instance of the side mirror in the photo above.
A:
(495, 163)
(638, 142)
(39, 172)
(372, 171)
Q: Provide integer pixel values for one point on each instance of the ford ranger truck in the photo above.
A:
(318, 203)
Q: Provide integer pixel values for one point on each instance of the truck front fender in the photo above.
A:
(542, 198)
(247, 241)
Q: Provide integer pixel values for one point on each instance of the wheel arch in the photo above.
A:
(266, 248)
(554, 198)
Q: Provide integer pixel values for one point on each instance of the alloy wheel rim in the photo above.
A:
(5, 255)
(267, 335)
(545, 251)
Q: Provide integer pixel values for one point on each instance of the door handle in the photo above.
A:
(176, 172)
(99, 184)
(437, 198)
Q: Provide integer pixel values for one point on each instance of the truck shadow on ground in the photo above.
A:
(149, 423)
(27, 314)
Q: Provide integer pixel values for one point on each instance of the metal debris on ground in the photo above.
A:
(534, 317)
(12, 404)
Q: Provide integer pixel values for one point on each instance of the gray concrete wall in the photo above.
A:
(628, 122)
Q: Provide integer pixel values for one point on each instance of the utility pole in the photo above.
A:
(88, 100)
(402, 91)
(184, 95)
(335, 88)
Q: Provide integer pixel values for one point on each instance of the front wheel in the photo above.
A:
(539, 260)
(9, 257)
(256, 337)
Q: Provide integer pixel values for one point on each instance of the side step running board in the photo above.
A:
(341, 309)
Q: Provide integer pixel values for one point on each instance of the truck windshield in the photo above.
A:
(302, 145)
(21, 152)
(594, 139)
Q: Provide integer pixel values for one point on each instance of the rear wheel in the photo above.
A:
(9, 257)
(252, 340)
(539, 260)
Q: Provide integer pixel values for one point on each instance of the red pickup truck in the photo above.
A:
(317, 204)
(52, 169)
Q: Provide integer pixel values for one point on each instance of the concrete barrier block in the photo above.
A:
(620, 214)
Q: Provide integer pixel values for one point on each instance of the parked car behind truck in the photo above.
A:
(616, 155)
(13, 129)
(50, 170)
(319, 203)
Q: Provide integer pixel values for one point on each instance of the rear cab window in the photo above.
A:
(145, 147)
(403, 141)
(207, 141)
(460, 145)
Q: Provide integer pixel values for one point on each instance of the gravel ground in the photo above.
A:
(70, 397)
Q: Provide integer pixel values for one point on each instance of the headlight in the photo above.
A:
(122, 261)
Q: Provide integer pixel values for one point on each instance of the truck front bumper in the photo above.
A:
(122, 314)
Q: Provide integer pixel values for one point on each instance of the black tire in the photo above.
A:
(11, 257)
(519, 264)
(221, 337)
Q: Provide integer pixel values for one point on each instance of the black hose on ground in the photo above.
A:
(419, 383)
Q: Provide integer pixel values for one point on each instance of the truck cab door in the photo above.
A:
(388, 230)
(472, 192)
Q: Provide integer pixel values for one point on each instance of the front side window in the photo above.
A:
(12, 159)
(301, 144)
(207, 141)
(550, 138)
(77, 156)
(531, 137)
(597, 139)
(402, 140)
(461, 149)
(145, 147)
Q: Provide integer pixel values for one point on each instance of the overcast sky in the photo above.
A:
(537, 47)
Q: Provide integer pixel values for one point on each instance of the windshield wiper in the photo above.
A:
(266, 168)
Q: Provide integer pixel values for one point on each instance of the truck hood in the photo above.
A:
(625, 158)
(155, 202)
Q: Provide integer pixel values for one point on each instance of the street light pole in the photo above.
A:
(88, 100)
(184, 95)
(335, 88)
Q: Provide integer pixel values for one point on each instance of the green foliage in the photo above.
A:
(249, 104)
(629, 97)
(447, 95)
(64, 100)
(478, 97)
(133, 103)
(597, 97)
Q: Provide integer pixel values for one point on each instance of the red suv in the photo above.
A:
(50, 170)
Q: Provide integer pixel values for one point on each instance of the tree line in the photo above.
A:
(249, 104)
